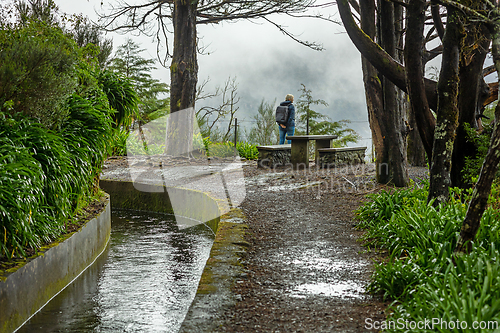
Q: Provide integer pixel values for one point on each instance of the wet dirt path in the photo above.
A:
(305, 269)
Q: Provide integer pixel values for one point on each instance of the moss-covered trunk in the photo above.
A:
(394, 146)
(482, 190)
(373, 90)
(447, 111)
(388, 67)
(472, 93)
(183, 77)
(414, 47)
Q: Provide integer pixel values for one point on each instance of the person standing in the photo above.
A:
(289, 128)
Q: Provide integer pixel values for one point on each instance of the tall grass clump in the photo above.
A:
(57, 111)
(21, 196)
(422, 276)
(34, 190)
(44, 174)
(88, 132)
(226, 149)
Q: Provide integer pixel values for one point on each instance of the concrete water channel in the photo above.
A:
(145, 280)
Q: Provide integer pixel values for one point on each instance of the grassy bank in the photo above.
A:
(48, 176)
(430, 292)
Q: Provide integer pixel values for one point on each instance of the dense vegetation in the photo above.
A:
(58, 115)
(422, 275)
(64, 108)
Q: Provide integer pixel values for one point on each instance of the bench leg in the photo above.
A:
(299, 154)
(321, 144)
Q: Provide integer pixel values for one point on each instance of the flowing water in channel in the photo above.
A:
(143, 282)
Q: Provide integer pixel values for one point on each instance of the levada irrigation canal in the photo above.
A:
(144, 281)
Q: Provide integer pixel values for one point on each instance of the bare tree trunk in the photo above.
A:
(184, 77)
(391, 69)
(471, 97)
(395, 138)
(373, 92)
(482, 190)
(414, 146)
(447, 112)
(414, 48)
(413, 54)
(416, 150)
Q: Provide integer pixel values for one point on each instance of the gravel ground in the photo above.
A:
(305, 269)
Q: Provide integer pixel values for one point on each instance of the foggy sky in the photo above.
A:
(268, 65)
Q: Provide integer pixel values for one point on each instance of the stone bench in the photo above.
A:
(300, 148)
(274, 155)
(329, 157)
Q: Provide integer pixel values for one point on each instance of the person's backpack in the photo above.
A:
(282, 114)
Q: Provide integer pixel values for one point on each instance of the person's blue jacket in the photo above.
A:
(291, 113)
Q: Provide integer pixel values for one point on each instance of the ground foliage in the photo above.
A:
(226, 149)
(46, 174)
(422, 276)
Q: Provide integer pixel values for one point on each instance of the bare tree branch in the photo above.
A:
(153, 17)
(467, 10)
(312, 45)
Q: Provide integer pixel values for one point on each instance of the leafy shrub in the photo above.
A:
(467, 292)
(482, 142)
(247, 150)
(35, 190)
(494, 199)
(37, 71)
(119, 143)
(226, 149)
(44, 174)
(384, 204)
(135, 145)
(121, 96)
(88, 133)
(21, 196)
(199, 142)
(55, 132)
(395, 279)
(221, 149)
(420, 274)
(489, 231)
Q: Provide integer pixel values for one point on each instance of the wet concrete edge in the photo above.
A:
(223, 267)
(159, 198)
(26, 290)
(221, 271)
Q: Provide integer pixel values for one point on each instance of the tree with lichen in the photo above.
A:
(482, 189)
(408, 73)
(447, 110)
(466, 30)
